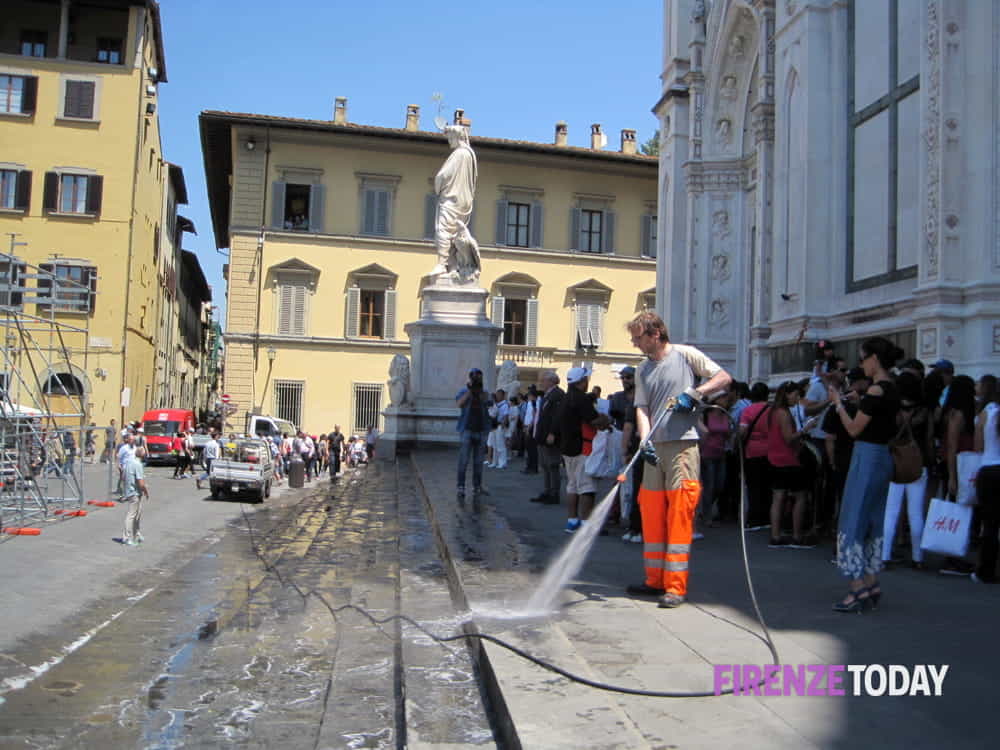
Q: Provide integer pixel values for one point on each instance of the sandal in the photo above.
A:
(855, 601)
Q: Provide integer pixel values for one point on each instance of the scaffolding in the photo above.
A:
(44, 435)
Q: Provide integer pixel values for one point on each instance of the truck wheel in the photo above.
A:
(260, 495)
(216, 493)
(267, 490)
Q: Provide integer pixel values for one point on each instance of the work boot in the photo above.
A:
(670, 600)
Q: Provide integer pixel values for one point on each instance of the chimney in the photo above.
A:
(340, 109)
(628, 141)
(413, 117)
(562, 133)
(461, 119)
(597, 139)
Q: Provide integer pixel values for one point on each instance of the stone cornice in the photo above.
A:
(427, 246)
(704, 176)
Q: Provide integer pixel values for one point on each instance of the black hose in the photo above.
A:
(597, 684)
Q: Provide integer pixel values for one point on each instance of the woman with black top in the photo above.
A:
(859, 535)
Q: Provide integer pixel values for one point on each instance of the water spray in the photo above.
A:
(565, 567)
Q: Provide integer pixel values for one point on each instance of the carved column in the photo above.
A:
(762, 122)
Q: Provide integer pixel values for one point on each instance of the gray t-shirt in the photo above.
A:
(133, 473)
(656, 381)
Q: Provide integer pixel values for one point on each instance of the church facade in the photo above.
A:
(830, 170)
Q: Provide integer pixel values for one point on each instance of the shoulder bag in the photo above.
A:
(907, 460)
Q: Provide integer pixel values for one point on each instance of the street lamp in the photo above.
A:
(271, 354)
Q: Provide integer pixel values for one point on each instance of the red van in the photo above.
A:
(160, 426)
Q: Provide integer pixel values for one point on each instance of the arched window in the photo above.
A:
(63, 384)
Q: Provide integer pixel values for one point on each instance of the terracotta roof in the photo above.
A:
(216, 150)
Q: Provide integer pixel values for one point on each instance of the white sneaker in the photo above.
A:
(696, 536)
(627, 536)
(636, 539)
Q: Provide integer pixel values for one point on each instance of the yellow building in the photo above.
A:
(328, 225)
(83, 189)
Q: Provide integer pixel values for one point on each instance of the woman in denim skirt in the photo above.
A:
(859, 535)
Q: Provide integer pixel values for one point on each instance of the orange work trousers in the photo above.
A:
(667, 526)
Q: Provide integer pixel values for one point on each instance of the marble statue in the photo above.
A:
(507, 378)
(455, 186)
(399, 380)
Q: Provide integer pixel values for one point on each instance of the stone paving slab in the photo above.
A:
(499, 546)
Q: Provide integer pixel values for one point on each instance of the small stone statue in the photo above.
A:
(399, 380)
(455, 185)
(507, 378)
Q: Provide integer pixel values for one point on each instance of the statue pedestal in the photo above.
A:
(452, 336)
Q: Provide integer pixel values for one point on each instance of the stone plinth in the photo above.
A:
(452, 336)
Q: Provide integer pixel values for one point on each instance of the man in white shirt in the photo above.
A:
(209, 453)
(125, 452)
(528, 425)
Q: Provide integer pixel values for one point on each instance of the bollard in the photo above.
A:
(296, 474)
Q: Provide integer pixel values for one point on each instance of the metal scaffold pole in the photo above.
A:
(45, 438)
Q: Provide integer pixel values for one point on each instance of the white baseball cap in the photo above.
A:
(576, 374)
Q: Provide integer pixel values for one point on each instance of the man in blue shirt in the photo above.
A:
(473, 428)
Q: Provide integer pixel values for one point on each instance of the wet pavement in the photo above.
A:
(249, 639)
(500, 546)
(274, 625)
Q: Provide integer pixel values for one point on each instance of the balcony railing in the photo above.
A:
(528, 356)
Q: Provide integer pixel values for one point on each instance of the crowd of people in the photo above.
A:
(816, 455)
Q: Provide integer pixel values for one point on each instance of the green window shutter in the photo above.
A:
(368, 212)
(95, 194)
(300, 299)
(531, 323)
(430, 215)
(22, 194)
(536, 224)
(608, 233)
(582, 313)
(278, 205)
(317, 203)
(501, 234)
(389, 327)
(29, 95)
(595, 321)
(496, 314)
(50, 196)
(382, 212)
(353, 311)
(285, 303)
(575, 219)
(646, 235)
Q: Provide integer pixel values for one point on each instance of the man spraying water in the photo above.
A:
(671, 486)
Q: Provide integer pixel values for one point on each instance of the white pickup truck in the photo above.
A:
(244, 466)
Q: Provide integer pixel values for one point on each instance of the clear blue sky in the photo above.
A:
(516, 67)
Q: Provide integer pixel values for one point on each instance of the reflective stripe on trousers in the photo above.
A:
(667, 526)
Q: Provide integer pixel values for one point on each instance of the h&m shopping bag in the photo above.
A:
(947, 529)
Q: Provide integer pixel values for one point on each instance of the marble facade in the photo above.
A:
(830, 169)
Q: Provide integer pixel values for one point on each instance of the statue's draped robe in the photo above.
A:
(455, 185)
